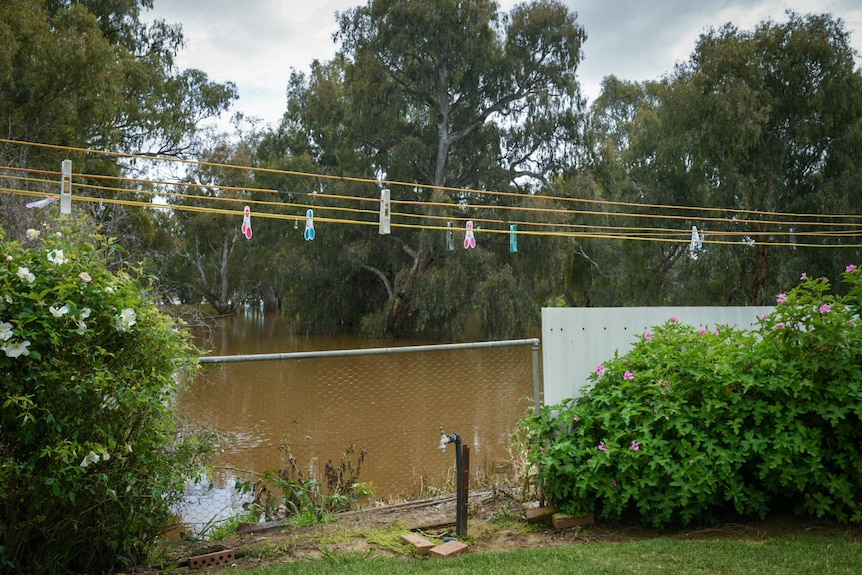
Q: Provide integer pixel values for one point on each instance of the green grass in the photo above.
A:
(777, 556)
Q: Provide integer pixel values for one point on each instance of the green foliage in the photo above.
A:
(91, 457)
(693, 423)
(306, 501)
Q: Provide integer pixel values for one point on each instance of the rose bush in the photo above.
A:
(91, 462)
(692, 424)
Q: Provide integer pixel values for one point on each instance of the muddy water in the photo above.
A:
(307, 412)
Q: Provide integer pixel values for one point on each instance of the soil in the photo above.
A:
(495, 523)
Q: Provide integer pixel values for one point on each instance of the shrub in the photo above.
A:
(90, 459)
(693, 423)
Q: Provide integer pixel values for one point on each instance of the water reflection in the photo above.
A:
(391, 405)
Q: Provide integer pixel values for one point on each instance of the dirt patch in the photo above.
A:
(495, 524)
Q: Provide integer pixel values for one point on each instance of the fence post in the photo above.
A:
(537, 399)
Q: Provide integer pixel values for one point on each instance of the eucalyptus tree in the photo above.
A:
(769, 118)
(456, 97)
(91, 74)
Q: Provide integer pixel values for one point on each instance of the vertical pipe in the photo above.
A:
(459, 483)
(463, 491)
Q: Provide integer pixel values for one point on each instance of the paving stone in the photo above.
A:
(420, 543)
(540, 514)
(449, 549)
(564, 520)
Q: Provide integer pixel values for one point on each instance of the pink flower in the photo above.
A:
(764, 316)
(635, 445)
(782, 297)
(628, 375)
(804, 276)
(649, 335)
(602, 446)
(673, 319)
(850, 268)
(702, 331)
(614, 482)
(600, 369)
(715, 333)
(780, 325)
(825, 308)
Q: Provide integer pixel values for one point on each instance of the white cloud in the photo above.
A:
(256, 43)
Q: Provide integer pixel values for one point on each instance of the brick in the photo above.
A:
(210, 559)
(449, 549)
(564, 520)
(422, 545)
(540, 514)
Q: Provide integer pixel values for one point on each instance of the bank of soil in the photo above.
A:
(496, 523)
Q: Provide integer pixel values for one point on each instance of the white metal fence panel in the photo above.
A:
(576, 340)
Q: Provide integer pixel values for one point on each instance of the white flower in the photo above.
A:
(32, 234)
(109, 289)
(85, 277)
(56, 257)
(24, 274)
(9, 258)
(91, 457)
(9, 299)
(59, 311)
(5, 331)
(126, 319)
(85, 313)
(15, 349)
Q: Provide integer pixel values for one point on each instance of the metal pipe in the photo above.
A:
(460, 486)
(370, 351)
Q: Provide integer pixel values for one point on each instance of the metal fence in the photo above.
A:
(381, 406)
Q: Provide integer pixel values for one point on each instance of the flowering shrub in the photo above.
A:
(692, 424)
(90, 463)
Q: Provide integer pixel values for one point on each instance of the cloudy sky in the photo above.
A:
(256, 43)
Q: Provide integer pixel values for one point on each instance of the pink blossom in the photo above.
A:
(600, 369)
(780, 325)
(764, 316)
(635, 445)
(715, 333)
(602, 446)
(702, 331)
(649, 335)
(628, 375)
(825, 308)
(614, 482)
(673, 319)
(850, 268)
(804, 276)
(782, 297)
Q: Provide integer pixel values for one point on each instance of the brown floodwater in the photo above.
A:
(315, 410)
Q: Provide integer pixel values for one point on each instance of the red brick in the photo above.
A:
(449, 549)
(420, 543)
(210, 559)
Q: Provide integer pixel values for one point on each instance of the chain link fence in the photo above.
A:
(375, 414)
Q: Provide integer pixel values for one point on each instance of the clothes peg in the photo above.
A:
(469, 239)
(246, 223)
(385, 214)
(43, 202)
(309, 225)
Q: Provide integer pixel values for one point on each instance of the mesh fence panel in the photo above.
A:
(389, 406)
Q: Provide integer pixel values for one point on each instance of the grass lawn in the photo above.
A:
(796, 554)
